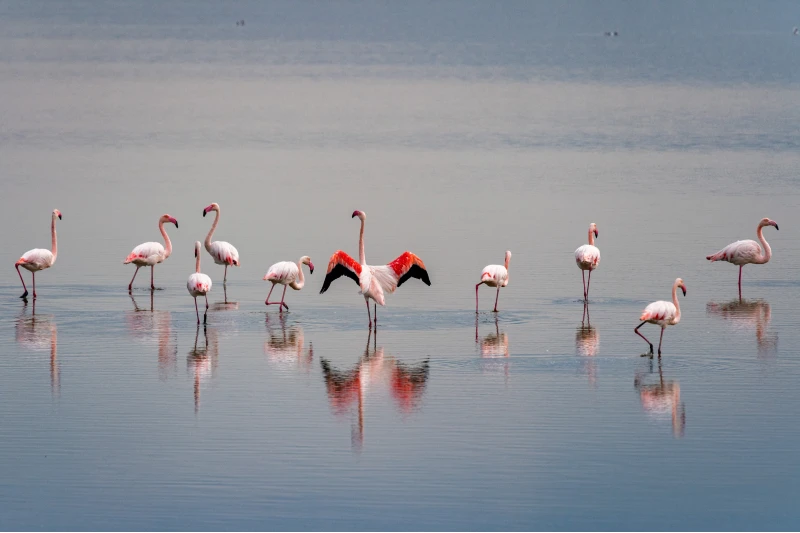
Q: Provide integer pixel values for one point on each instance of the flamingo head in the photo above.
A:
(508, 257)
(57, 213)
(360, 214)
(767, 222)
(212, 207)
(307, 261)
(593, 229)
(167, 218)
(679, 283)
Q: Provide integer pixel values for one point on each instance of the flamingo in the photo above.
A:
(662, 314)
(151, 253)
(38, 258)
(494, 276)
(587, 257)
(224, 253)
(199, 284)
(745, 252)
(374, 280)
(287, 274)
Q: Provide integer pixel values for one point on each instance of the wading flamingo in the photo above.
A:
(494, 276)
(374, 280)
(38, 258)
(151, 253)
(199, 284)
(224, 253)
(662, 314)
(287, 274)
(745, 252)
(587, 257)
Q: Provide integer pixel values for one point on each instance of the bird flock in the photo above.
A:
(375, 281)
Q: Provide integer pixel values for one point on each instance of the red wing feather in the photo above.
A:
(408, 266)
(340, 265)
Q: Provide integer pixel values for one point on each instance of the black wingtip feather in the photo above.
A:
(418, 272)
(337, 272)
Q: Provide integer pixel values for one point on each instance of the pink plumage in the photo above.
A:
(287, 274)
(746, 252)
(662, 313)
(198, 284)
(151, 253)
(587, 257)
(223, 253)
(494, 276)
(39, 258)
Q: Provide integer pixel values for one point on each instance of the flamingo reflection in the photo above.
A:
(749, 314)
(661, 398)
(587, 344)
(202, 360)
(143, 322)
(38, 333)
(374, 370)
(225, 305)
(494, 350)
(284, 348)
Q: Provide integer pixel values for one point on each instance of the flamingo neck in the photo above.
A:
(53, 232)
(361, 255)
(167, 242)
(591, 237)
(508, 260)
(301, 280)
(675, 301)
(211, 231)
(197, 260)
(767, 250)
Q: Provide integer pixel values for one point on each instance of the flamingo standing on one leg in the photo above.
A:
(745, 252)
(494, 276)
(151, 253)
(287, 274)
(662, 314)
(224, 253)
(38, 258)
(199, 284)
(587, 257)
(374, 280)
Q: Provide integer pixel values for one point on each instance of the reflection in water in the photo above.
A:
(587, 344)
(494, 350)
(755, 314)
(203, 360)
(284, 348)
(224, 305)
(661, 398)
(38, 333)
(143, 322)
(374, 369)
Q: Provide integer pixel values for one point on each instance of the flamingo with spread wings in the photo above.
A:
(374, 281)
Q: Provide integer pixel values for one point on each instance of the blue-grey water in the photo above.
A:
(463, 129)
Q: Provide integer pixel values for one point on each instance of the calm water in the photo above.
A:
(463, 130)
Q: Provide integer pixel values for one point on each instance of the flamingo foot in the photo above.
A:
(495, 310)
(650, 353)
(24, 295)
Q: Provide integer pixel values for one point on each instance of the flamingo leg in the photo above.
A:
(267, 302)
(33, 275)
(225, 278)
(476, 298)
(24, 294)
(130, 285)
(636, 330)
(280, 308)
(588, 283)
(152, 277)
(661, 338)
(740, 280)
(368, 314)
(496, 297)
(205, 314)
(583, 278)
(196, 311)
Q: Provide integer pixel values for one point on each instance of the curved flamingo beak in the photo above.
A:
(683, 289)
(174, 221)
(596, 234)
(355, 214)
(59, 216)
(773, 223)
(311, 267)
(195, 252)
(207, 209)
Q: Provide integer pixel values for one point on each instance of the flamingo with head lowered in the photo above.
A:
(151, 253)
(38, 258)
(742, 253)
(374, 281)
(662, 314)
(494, 276)
(223, 253)
(587, 257)
(287, 274)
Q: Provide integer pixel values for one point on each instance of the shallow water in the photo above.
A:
(460, 141)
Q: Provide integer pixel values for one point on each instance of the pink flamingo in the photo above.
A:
(374, 280)
(38, 258)
(662, 314)
(223, 253)
(151, 253)
(287, 274)
(199, 284)
(745, 252)
(494, 276)
(587, 257)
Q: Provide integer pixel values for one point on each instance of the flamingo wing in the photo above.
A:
(588, 255)
(38, 258)
(147, 252)
(284, 272)
(738, 253)
(224, 253)
(408, 266)
(657, 311)
(199, 283)
(340, 265)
